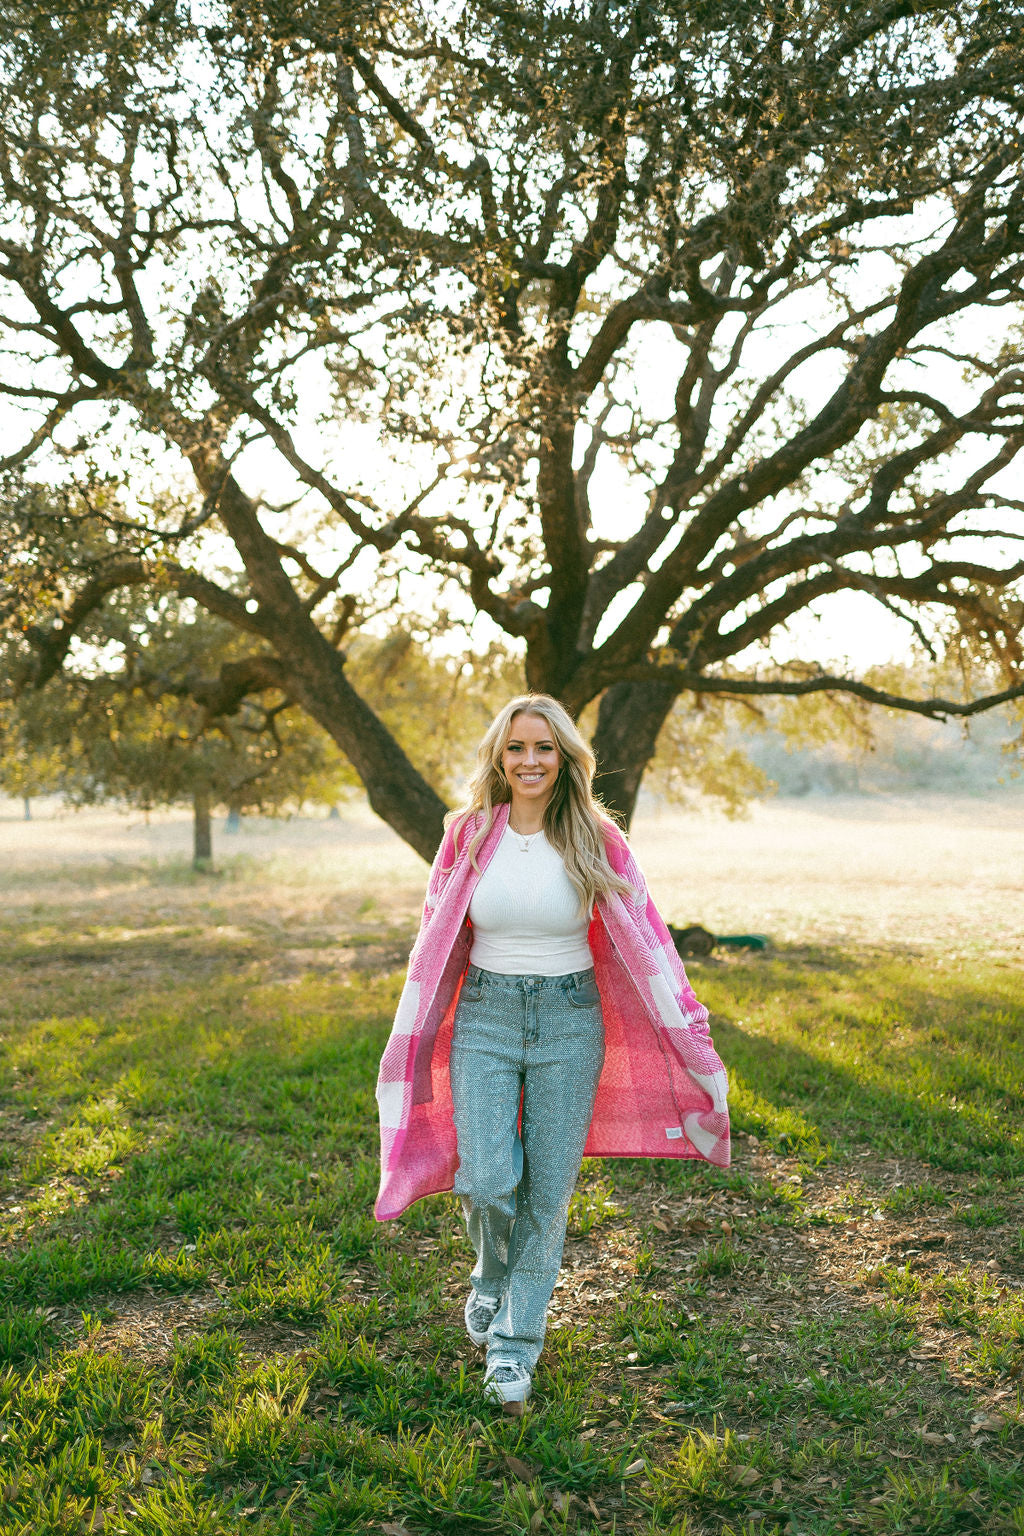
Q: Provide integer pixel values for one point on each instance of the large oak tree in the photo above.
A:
(675, 320)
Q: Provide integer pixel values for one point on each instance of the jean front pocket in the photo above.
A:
(583, 994)
(471, 992)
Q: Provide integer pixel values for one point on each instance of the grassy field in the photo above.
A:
(203, 1330)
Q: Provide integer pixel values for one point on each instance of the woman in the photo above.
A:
(546, 1016)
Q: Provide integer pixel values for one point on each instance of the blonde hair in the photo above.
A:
(575, 821)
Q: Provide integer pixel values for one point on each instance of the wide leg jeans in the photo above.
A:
(526, 1056)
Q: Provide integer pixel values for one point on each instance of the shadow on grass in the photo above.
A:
(214, 1134)
(872, 1052)
(201, 1129)
(208, 1128)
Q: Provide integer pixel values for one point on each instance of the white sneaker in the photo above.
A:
(507, 1382)
(480, 1313)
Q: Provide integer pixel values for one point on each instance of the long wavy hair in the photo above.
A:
(574, 819)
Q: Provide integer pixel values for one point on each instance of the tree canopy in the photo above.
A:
(160, 716)
(637, 328)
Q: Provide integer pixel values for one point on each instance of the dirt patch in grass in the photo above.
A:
(824, 1329)
(147, 1326)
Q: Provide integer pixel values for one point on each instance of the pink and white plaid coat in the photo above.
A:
(662, 1091)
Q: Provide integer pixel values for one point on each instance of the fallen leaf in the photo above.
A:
(634, 1467)
(662, 1226)
(593, 1508)
(744, 1477)
(560, 1501)
(395, 1528)
(987, 1422)
(520, 1469)
(537, 1519)
(932, 1438)
(777, 1486)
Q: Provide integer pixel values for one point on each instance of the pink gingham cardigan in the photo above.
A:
(662, 1091)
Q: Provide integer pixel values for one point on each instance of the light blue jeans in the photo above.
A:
(526, 1055)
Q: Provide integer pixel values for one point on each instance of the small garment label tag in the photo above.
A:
(673, 1132)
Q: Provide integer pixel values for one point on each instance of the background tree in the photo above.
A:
(30, 763)
(161, 703)
(840, 744)
(160, 716)
(675, 320)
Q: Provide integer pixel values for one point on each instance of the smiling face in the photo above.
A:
(531, 761)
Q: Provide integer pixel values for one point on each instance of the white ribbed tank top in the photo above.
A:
(526, 914)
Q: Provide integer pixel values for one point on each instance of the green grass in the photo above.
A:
(902, 1056)
(202, 1329)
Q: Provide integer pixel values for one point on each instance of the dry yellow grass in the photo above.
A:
(921, 872)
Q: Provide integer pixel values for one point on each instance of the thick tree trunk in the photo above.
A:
(234, 819)
(202, 834)
(396, 791)
(628, 722)
(315, 674)
(27, 803)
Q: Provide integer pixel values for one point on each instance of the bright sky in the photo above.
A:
(847, 628)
